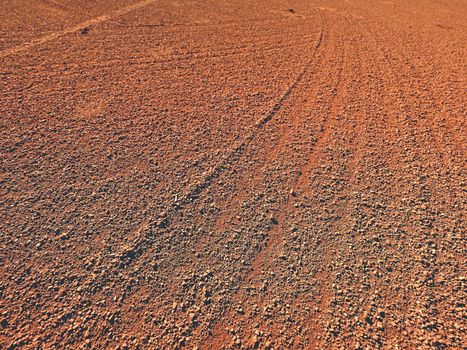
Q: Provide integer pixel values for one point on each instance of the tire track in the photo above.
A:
(144, 236)
(144, 61)
(275, 242)
(409, 131)
(353, 138)
(358, 140)
(350, 135)
(426, 100)
(240, 147)
(285, 131)
(249, 47)
(29, 45)
(331, 267)
(294, 185)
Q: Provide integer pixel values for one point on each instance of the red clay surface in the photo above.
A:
(233, 174)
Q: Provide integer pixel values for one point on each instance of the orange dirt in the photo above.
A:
(233, 174)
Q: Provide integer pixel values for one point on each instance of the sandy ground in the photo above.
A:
(230, 174)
